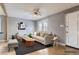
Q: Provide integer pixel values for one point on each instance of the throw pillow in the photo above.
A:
(49, 36)
(38, 34)
(13, 36)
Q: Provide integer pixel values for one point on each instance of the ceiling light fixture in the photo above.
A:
(36, 12)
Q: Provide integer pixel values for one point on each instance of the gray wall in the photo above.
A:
(56, 25)
(35, 26)
(12, 26)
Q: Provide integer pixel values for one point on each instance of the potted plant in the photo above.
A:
(30, 35)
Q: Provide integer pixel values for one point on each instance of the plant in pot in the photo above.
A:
(30, 35)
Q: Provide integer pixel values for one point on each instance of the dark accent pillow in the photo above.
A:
(13, 36)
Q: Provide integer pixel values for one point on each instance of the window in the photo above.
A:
(42, 25)
(45, 26)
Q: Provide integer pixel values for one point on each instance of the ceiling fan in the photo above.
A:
(36, 11)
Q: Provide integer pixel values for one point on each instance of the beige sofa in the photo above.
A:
(44, 38)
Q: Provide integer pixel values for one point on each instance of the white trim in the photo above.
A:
(63, 44)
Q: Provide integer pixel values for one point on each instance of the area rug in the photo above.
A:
(23, 49)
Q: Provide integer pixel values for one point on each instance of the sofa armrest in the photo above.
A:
(48, 39)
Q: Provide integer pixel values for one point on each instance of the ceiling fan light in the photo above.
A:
(36, 11)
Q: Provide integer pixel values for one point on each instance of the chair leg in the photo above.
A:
(54, 43)
(8, 49)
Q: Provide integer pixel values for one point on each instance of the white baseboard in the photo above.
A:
(63, 44)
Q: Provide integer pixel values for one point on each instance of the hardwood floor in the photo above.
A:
(4, 49)
(56, 50)
(49, 51)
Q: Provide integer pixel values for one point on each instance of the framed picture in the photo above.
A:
(21, 26)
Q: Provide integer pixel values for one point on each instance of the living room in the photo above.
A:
(37, 26)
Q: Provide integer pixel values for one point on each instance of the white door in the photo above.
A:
(78, 29)
(67, 29)
(72, 29)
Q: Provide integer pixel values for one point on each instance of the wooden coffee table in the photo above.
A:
(28, 41)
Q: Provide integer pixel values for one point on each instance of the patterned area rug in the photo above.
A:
(23, 49)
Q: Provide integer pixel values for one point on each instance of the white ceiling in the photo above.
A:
(24, 10)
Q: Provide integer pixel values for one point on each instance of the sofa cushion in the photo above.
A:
(38, 34)
(44, 40)
(49, 36)
(38, 37)
(42, 34)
